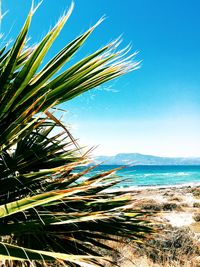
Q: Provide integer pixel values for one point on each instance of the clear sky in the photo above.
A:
(154, 110)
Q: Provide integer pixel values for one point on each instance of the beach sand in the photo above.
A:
(177, 211)
(177, 205)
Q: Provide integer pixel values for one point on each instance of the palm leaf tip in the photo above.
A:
(34, 6)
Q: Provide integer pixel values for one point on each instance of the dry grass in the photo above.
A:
(151, 205)
(196, 204)
(172, 247)
(196, 192)
(175, 198)
(195, 227)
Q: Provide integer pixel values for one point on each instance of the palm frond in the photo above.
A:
(53, 209)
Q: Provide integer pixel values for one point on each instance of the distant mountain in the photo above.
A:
(140, 159)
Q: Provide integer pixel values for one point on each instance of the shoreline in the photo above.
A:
(146, 187)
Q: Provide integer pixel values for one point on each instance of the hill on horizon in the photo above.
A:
(141, 159)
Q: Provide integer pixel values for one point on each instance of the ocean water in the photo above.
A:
(156, 175)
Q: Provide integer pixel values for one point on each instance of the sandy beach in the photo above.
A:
(176, 215)
(177, 204)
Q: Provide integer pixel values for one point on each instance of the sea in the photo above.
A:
(151, 175)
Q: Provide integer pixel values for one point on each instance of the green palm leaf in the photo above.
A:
(11, 252)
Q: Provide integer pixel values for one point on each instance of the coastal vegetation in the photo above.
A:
(176, 242)
(51, 214)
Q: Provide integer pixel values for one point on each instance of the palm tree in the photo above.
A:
(51, 211)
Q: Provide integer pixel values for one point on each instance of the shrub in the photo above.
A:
(196, 204)
(196, 192)
(196, 217)
(176, 198)
(151, 205)
(169, 206)
(173, 245)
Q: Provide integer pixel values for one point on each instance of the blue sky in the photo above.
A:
(154, 110)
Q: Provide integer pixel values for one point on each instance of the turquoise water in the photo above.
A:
(156, 175)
